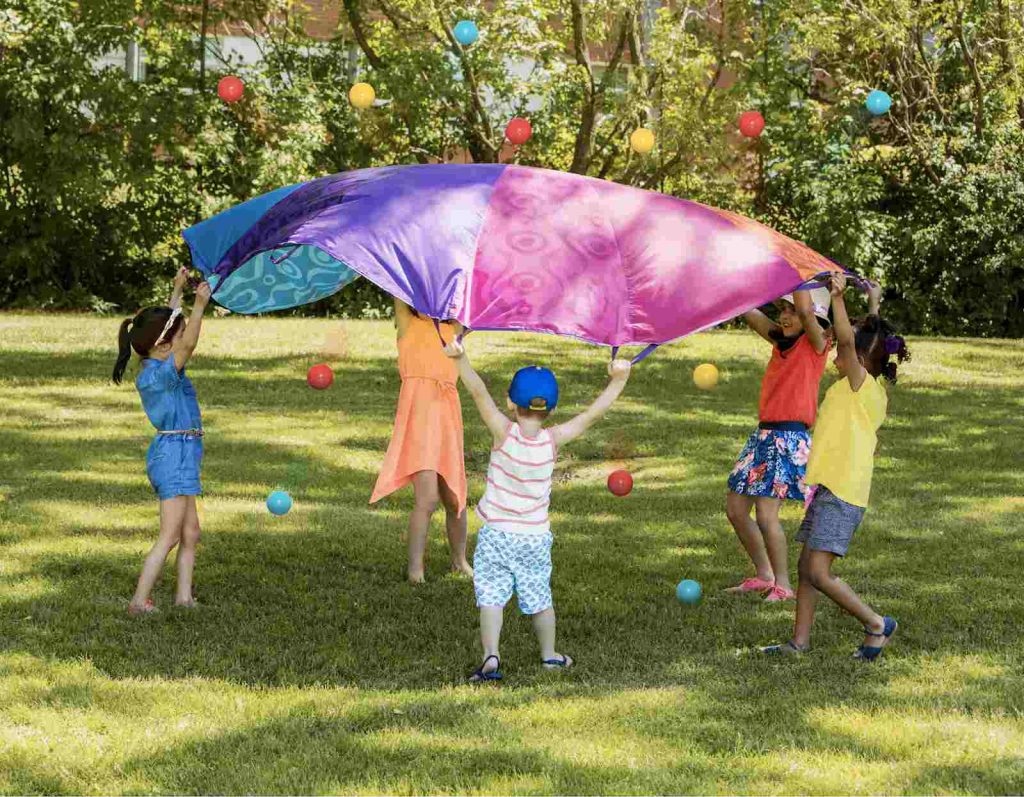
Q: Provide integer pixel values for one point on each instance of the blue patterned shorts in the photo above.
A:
(772, 465)
(505, 563)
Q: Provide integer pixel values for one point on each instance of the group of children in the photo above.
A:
(513, 548)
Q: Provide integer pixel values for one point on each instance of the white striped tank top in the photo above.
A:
(519, 483)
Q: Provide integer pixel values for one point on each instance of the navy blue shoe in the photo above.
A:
(479, 676)
(869, 653)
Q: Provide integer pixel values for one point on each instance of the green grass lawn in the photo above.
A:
(312, 667)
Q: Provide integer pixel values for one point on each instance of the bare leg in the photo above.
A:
(819, 565)
(491, 618)
(455, 525)
(544, 628)
(806, 601)
(738, 509)
(774, 538)
(172, 516)
(424, 484)
(187, 554)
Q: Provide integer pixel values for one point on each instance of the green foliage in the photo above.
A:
(100, 174)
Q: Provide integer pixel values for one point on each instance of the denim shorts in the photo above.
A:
(829, 523)
(173, 464)
(505, 563)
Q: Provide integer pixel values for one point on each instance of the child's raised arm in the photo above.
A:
(761, 324)
(186, 344)
(180, 279)
(847, 347)
(805, 310)
(619, 372)
(494, 418)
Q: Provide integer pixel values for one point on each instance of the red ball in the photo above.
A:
(230, 88)
(518, 131)
(620, 482)
(751, 124)
(320, 377)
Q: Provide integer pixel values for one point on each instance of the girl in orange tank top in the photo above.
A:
(426, 446)
(771, 467)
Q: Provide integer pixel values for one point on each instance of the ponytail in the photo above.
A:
(124, 351)
(142, 333)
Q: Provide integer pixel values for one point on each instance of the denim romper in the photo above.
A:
(176, 453)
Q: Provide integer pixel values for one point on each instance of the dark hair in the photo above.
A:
(876, 341)
(141, 333)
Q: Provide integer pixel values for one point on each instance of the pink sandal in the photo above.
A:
(145, 608)
(778, 594)
(752, 585)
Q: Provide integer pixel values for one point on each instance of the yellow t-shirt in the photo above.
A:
(845, 436)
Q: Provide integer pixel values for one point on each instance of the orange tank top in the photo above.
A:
(420, 355)
(789, 389)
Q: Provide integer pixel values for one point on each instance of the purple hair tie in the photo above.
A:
(893, 344)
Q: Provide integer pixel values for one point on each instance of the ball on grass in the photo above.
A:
(279, 502)
(320, 377)
(688, 591)
(620, 482)
(705, 376)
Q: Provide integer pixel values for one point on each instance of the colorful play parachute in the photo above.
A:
(503, 247)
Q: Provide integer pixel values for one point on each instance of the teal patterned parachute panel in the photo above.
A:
(286, 277)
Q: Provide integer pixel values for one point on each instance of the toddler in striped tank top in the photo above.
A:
(513, 549)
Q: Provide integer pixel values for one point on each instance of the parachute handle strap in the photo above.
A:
(458, 338)
(647, 352)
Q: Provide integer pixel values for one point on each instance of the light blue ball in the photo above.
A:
(688, 591)
(279, 502)
(878, 102)
(466, 32)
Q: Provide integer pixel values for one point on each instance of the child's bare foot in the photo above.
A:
(415, 577)
(463, 568)
(188, 604)
(147, 607)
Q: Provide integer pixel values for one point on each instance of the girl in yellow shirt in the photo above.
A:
(841, 465)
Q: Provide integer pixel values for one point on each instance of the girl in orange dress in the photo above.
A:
(426, 446)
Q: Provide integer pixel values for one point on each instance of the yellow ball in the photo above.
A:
(642, 140)
(705, 376)
(361, 95)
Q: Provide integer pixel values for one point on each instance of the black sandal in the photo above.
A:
(479, 676)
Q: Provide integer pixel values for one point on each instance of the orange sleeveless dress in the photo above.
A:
(428, 432)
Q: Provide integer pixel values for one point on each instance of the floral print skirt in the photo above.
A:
(772, 464)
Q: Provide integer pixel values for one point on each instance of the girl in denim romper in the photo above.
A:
(165, 342)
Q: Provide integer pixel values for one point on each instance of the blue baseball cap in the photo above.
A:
(534, 388)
